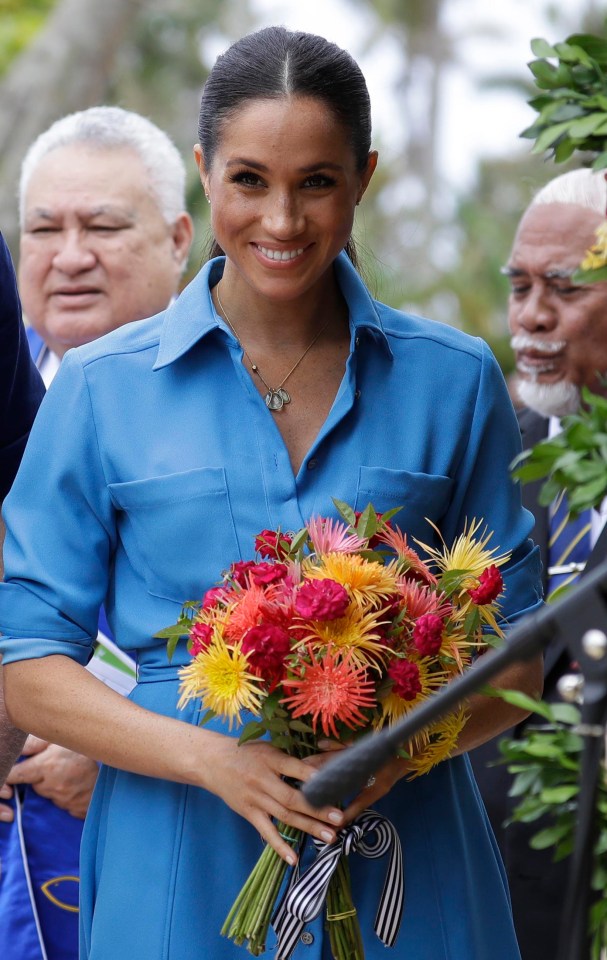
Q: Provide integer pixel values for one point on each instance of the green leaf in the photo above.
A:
(253, 730)
(541, 48)
(559, 794)
(549, 136)
(206, 717)
(586, 125)
(345, 511)
(367, 522)
(524, 702)
(548, 837)
(596, 275)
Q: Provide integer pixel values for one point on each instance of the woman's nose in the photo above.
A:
(283, 216)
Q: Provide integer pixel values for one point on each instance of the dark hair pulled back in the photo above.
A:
(276, 62)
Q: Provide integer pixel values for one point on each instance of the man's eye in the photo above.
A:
(43, 230)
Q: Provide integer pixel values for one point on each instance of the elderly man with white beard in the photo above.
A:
(559, 337)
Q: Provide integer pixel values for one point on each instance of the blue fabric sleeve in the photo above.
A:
(47, 583)
(485, 489)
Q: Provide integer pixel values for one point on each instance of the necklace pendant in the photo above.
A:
(276, 399)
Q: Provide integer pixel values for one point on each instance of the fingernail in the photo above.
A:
(6, 816)
(327, 836)
(291, 860)
(336, 817)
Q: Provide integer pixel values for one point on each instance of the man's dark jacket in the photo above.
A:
(537, 885)
(21, 387)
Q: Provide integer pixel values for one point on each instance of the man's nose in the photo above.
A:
(532, 312)
(74, 252)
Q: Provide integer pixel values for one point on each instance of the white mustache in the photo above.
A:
(524, 342)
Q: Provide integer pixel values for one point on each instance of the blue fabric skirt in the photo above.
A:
(162, 863)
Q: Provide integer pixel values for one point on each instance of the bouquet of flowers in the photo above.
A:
(336, 631)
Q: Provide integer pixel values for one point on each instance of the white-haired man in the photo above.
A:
(105, 238)
(559, 336)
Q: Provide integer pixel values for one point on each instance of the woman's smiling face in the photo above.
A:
(283, 186)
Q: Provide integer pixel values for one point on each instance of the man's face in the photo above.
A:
(559, 330)
(95, 250)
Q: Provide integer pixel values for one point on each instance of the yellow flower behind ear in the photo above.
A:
(220, 677)
(596, 257)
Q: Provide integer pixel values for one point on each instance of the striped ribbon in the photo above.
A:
(569, 544)
(372, 835)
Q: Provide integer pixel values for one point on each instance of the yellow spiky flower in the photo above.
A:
(367, 582)
(435, 744)
(356, 634)
(468, 552)
(220, 677)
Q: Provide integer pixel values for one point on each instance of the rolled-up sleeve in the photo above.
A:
(60, 530)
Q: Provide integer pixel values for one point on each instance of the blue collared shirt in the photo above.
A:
(167, 463)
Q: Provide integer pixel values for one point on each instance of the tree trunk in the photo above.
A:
(66, 68)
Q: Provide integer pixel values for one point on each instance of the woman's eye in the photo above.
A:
(247, 178)
(319, 180)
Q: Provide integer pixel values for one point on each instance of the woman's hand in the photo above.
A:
(378, 785)
(254, 779)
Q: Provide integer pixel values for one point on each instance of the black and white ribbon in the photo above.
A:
(371, 835)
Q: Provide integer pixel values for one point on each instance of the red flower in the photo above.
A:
(428, 634)
(238, 571)
(269, 543)
(262, 574)
(200, 637)
(213, 596)
(405, 676)
(490, 585)
(322, 600)
(266, 646)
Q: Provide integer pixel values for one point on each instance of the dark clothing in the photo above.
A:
(538, 886)
(21, 387)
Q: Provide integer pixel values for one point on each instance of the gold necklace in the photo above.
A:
(276, 397)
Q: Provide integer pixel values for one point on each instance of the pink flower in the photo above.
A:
(269, 543)
(322, 600)
(266, 646)
(428, 634)
(213, 596)
(265, 573)
(239, 570)
(405, 676)
(201, 635)
(490, 585)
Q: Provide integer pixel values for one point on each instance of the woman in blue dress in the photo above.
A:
(272, 384)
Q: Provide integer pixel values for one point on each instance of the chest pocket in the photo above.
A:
(178, 530)
(419, 495)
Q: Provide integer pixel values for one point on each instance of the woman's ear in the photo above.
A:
(367, 174)
(202, 170)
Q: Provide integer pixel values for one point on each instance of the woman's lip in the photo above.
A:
(280, 255)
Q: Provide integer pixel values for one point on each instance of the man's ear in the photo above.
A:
(183, 234)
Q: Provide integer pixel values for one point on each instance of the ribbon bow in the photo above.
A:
(305, 895)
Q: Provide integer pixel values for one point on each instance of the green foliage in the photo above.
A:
(574, 461)
(572, 104)
(545, 763)
(20, 21)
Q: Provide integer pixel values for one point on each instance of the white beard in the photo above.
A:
(550, 399)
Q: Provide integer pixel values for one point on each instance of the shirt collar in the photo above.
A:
(192, 315)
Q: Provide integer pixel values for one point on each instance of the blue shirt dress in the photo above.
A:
(169, 465)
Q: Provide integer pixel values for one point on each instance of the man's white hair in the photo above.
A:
(586, 188)
(110, 128)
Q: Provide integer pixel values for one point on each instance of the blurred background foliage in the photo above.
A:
(425, 245)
